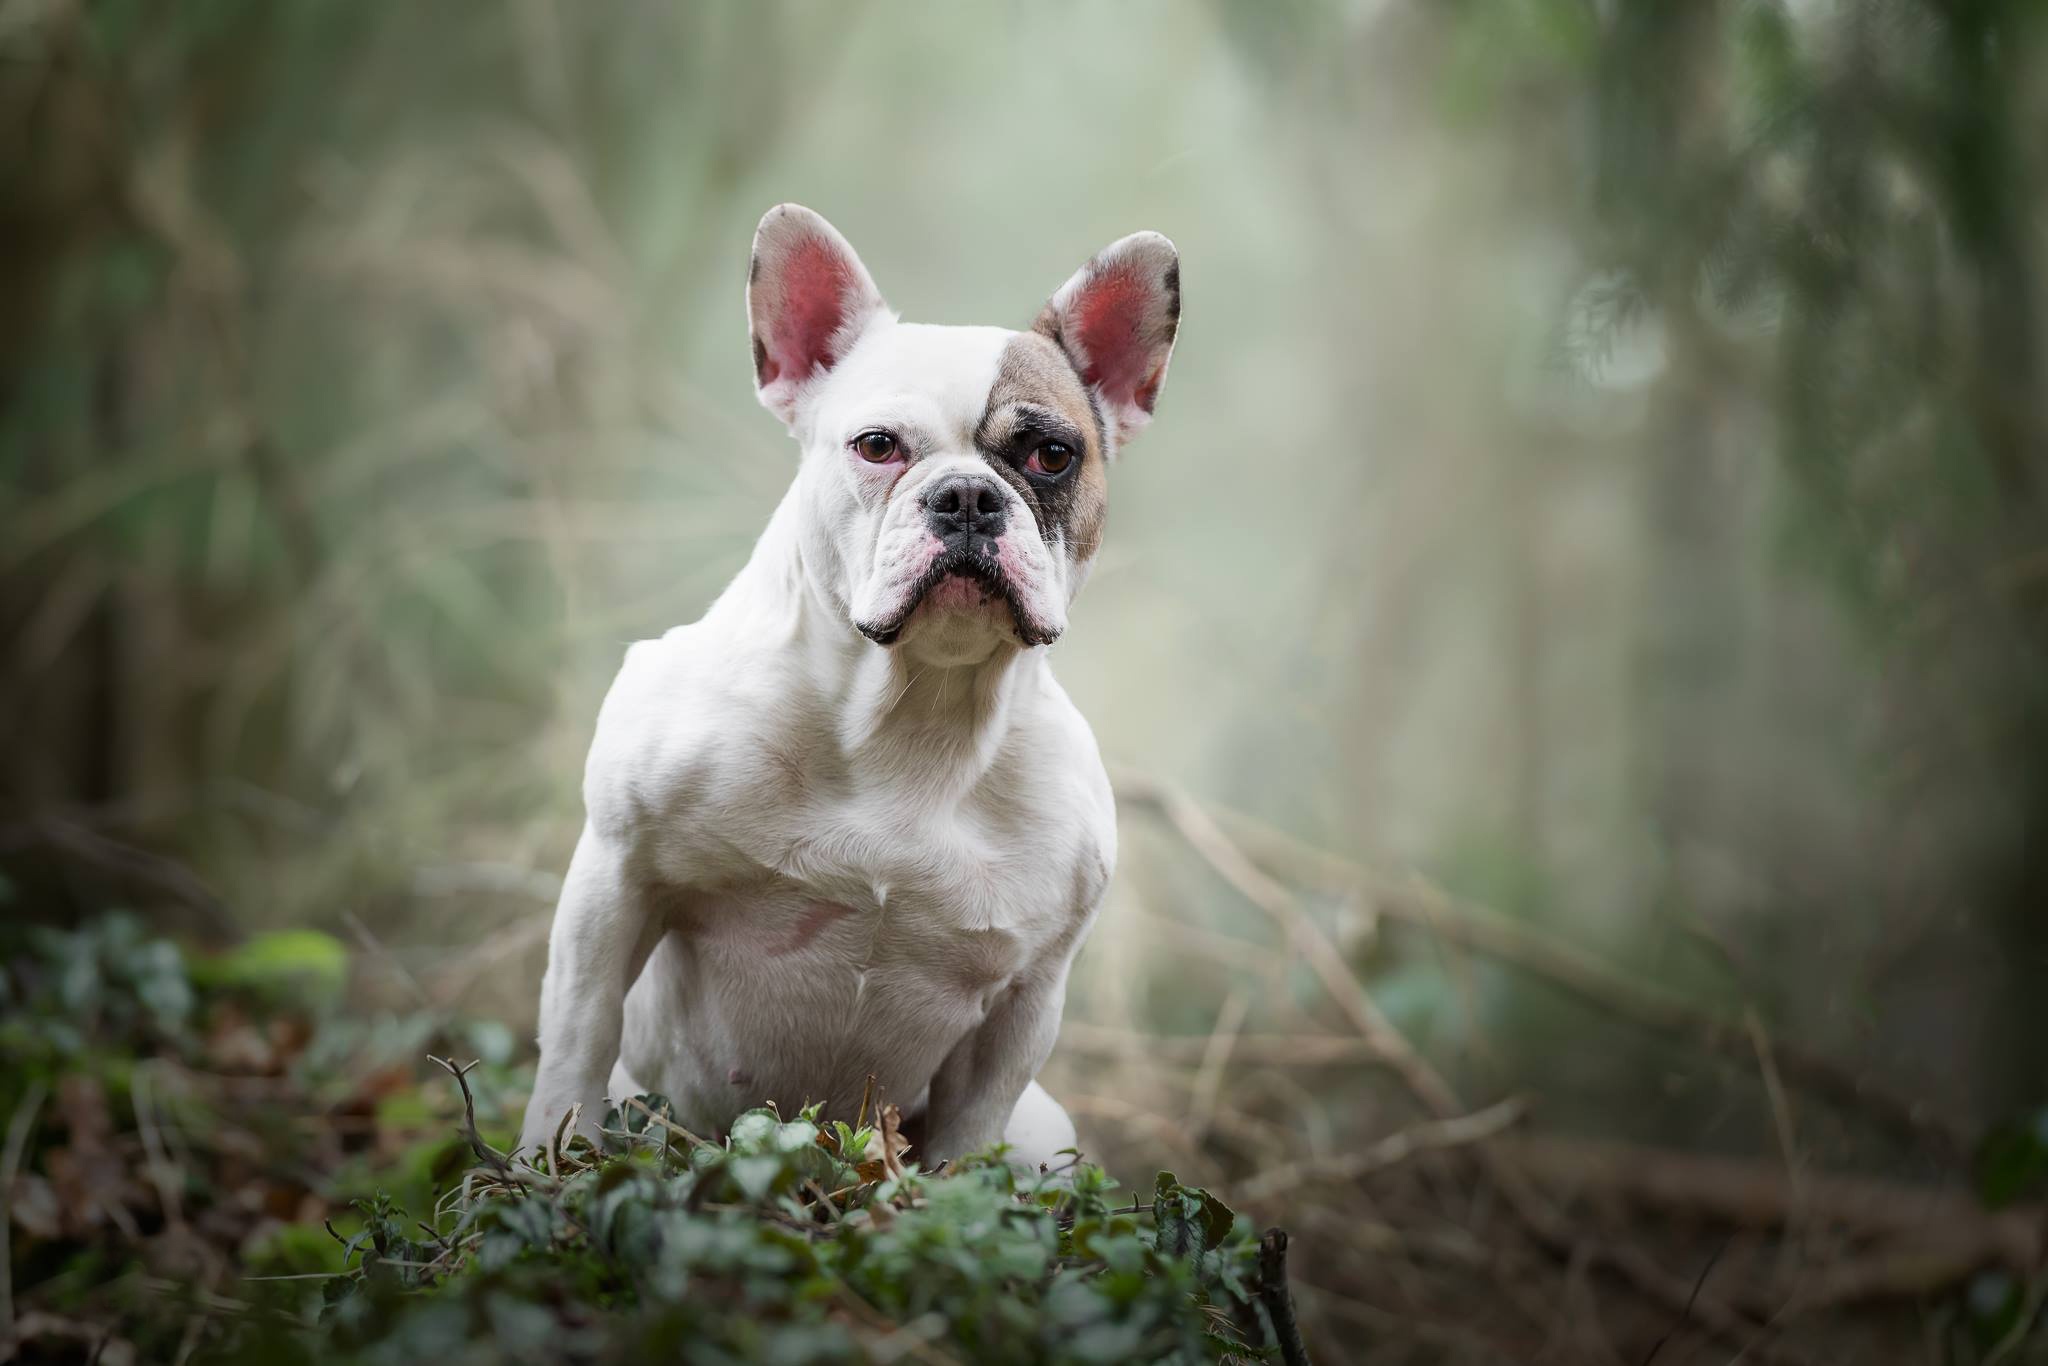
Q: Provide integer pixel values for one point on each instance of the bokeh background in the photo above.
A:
(1586, 578)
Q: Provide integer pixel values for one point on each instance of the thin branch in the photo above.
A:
(484, 1151)
(378, 949)
(1394, 1149)
(1686, 1313)
(454, 980)
(1215, 1058)
(1781, 1119)
(1255, 1050)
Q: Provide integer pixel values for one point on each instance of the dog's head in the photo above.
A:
(954, 479)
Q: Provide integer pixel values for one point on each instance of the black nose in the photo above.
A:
(966, 503)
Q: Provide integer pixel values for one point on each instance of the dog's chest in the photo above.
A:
(958, 895)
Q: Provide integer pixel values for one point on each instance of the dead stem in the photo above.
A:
(1279, 1302)
(484, 1151)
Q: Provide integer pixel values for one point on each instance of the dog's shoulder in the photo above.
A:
(660, 725)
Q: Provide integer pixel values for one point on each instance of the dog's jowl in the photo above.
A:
(848, 824)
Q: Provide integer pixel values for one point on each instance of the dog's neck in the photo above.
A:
(899, 707)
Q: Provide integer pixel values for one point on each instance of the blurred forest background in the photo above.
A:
(1582, 610)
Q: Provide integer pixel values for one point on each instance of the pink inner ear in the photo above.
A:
(1110, 321)
(816, 282)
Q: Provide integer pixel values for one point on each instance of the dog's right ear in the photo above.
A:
(808, 299)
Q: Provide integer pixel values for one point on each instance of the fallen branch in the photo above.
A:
(1415, 901)
(1951, 1235)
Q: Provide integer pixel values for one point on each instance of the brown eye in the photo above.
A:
(875, 447)
(1051, 458)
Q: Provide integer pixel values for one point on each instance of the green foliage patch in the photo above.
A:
(773, 1245)
(167, 1214)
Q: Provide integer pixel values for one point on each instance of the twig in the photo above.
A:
(1685, 1314)
(867, 1096)
(301, 1276)
(823, 1199)
(1258, 1050)
(1274, 1295)
(484, 1151)
(378, 949)
(1416, 902)
(1781, 1120)
(1216, 1057)
(1390, 1151)
(635, 1103)
(19, 1126)
(452, 981)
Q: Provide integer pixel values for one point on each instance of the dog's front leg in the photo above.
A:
(976, 1088)
(604, 929)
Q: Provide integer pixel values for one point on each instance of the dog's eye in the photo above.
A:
(875, 447)
(1051, 457)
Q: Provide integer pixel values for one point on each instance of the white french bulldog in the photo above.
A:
(848, 824)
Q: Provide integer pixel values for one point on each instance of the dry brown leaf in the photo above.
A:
(894, 1144)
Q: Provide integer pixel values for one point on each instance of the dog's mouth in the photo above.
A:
(965, 574)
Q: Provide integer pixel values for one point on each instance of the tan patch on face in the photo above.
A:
(1037, 395)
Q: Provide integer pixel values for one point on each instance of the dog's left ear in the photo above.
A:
(808, 298)
(1116, 320)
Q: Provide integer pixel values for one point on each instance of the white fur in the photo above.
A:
(809, 858)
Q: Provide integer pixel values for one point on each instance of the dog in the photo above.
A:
(847, 825)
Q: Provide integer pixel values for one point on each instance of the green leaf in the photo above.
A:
(530, 1219)
(756, 1176)
(1188, 1221)
(752, 1130)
